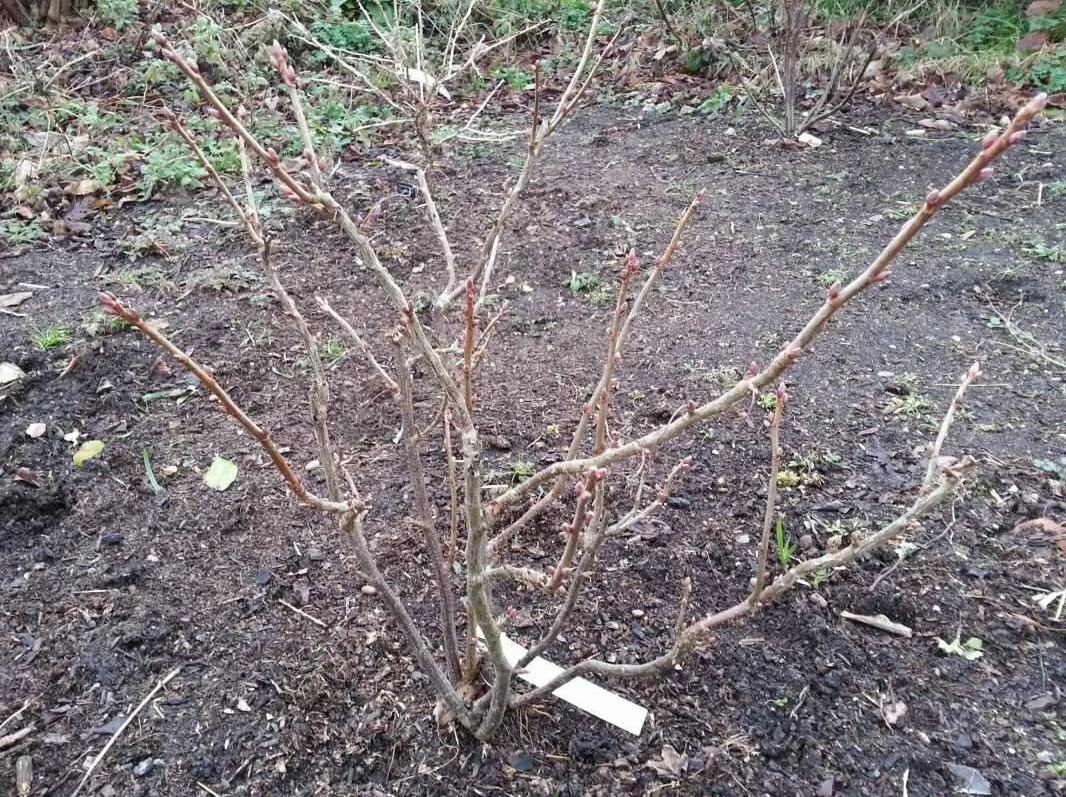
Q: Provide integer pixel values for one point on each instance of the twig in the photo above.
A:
(423, 512)
(12, 738)
(992, 147)
(771, 495)
(697, 633)
(390, 383)
(934, 456)
(115, 307)
(125, 724)
(302, 613)
(880, 622)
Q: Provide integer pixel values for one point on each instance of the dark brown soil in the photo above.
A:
(105, 586)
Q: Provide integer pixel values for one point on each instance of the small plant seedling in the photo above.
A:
(914, 405)
(831, 277)
(331, 351)
(98, 324)
(786, 548)
(521, 469)
(51, 337)
(969, 649)
(767, 401)
(584, 283)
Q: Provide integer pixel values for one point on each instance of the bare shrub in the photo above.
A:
(464, 653)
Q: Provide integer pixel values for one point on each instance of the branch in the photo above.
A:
(994, 145)
(935, 463)
(696, 633)
(352, 531)
(115, 307)
(390, 383)
(424, 513)
(771, 495)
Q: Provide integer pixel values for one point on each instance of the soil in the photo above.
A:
(106, 586)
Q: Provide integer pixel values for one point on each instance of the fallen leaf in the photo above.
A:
(87, 450)
(14, 299)
(9, 372)
(893, 711)
(221, 474)
(83, 187)
(969, 780)
(28, 476)
(670, 763)
(916, 102)
(36, 430)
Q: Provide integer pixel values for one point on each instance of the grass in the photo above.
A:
(51, 337)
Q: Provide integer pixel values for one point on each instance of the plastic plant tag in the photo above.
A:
(581, 693)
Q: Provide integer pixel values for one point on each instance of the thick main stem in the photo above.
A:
(424, 512)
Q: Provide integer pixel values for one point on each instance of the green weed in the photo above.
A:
(51, 337)
(786, 548)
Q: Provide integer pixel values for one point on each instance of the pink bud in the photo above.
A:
(991, 137)
(242, 112)
(932, 199)
(193, 68)
(289, 75)
(690, 406)
(982, 175)
(753, 368)
(166, 52)
(881, 276)
(213, 112)
(834, 291)
(586, 496)
(272, 156)
(782, 395)
(111, 303)
(159, 39)
(1015, 138)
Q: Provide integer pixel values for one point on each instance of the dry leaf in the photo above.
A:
(670, 763)
(14, 299)
(36, 430)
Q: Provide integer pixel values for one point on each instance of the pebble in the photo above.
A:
(113, 538)
(638, 613)
(369, 589)
(143, 767)
(262, 578)
(315, 555)
(806, 542)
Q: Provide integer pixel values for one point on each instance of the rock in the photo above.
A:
(369, 589)
(638, 613)
(112, 538)
(262, 578)
(522, 761)
(143, 767)
(826, 789)
(677, 502)
(499, 442)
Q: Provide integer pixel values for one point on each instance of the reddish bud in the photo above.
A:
(289, 194)
(242, 112)
(586, 496)
(289, 76)
(834, 291)
(111, 303)
(881, 276)
(753, 368)
(272, 156)
(1015, 138)
(193, 68)
(932, 199)
(166, 52)
(213, 112)
(690, 406)
(982, 175)
(990, 139)
(782, 395)
(159, 39)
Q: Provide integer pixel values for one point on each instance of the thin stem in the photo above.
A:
(993, 146)
(771, 496)
(115, 307)
(697, 633)
(934, 457)
(424, 513)
(390, 383)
